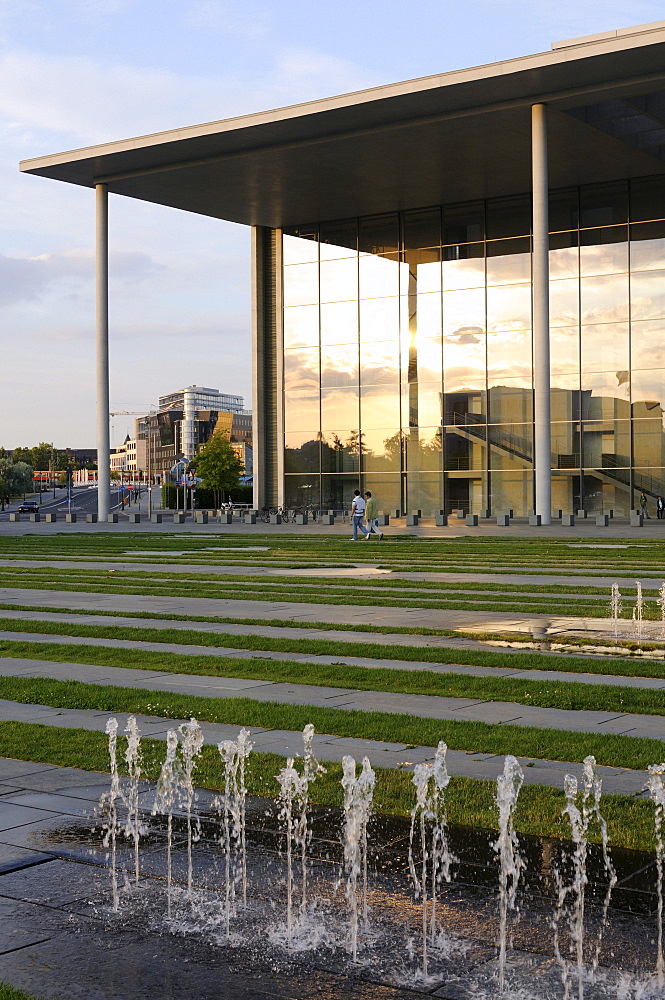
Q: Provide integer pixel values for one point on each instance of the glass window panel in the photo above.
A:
(647, 344)
(424, 491)
(565, 302)
(301, 326)
(386, 490)
(340, 452)
(509, 307)
(564, 209)
(565, 398)
(564, 349)
(463, 267)
(338, 239)
(422, 405)
(422, 360)
(379, 363)
(379, 320)
(647, 246)
(300, 491)
(299, 245)
(509, 451)
(301, 369)
(422, 228)
(606, 444)
(337, 491)
(508, 217)
(603, 204)
(301, 284)
(339, 365)
(428, 315)
(605, 346)
(601, 494)
(566, 446)
(302, 412)
(647, 198)
(379, 234)
(380, 407)
(510, 401)
(509, 353)
(381, 450)
(648, 392)
(605, 396)
(339, 279)
(508, 262)
(464, 447)
(564, 256)
(604, 251)
(424, 449)
(464, 405)
(379, 276)
(421, 272)
(339, 323)
(301, 453)
(647, 294)
(512, 491)
(464, 356)
(566, 490)
(604, 299)
(339, 410)
(650, 480)
(649, 443)
(464, 223)
(464, 312)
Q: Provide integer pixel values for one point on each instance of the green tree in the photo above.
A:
(15, 478)
(218, 466)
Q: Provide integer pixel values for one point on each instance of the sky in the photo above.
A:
(78, 72)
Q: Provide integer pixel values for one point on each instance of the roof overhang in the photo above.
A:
(446, 138)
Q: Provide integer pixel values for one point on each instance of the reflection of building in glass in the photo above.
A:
(400, 324)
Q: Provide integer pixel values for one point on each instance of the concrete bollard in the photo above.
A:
(178, 518)
(582, 514)
(249, 519)
(411, 520)
(418, 513)
(441, 520)
(201, 517)
(326, 519)
(396, 513)
(460, 515)
(557, 515)
(225, 517)
(610, 513)
(91, 518)
(70, 518)
(503, 520)
(156, 518)
(602, 520)
(112, 518)
(15, 516)
(275, 518)
(636, 520)
(471, 521)
(568, 520)
(301, 519)
(51, 518)
(134, 518)
(535, 520)
(384, 520)
(484, 514)
(35, 518)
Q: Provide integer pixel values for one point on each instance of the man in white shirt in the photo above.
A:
(358, 515)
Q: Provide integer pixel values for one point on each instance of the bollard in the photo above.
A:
(503, 520)
(568, 520)
(441, 520)
(582, 514)
(484, 514)
(275, 518)
(326, 519)
(636, 520)
(418, 513)
(156, 518)
(610, 513)
(178, 518)
(535, 520)
(249, 519)
(34, 517)
(70, 518)
(396, 513)
(201, 517)
(14, 516)
(134, 518)
(411, 520)
(301, 518)
(51, 518)
(557, 515)
(91, 518)
(460, 515)
(602, 520)
(226, 517)
(384, 520)
(112, 518)
(471, 521)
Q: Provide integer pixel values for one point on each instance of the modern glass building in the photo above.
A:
(458, 281)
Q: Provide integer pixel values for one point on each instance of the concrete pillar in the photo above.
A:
(542, 452)
(102, 281)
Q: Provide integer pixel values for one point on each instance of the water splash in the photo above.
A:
(133, 826)
(616, 607)
(191, 744)
(358, 795)
(232, 806)
(638, 611)
(508, 787)
(109, 807)
(289, 784)
(166, 797)
(656, 788)
(661, 604)
(311, 770)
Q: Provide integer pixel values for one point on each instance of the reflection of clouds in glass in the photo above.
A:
(463, 309)
(339, 323)
(380, 363)
(463, 273)
(647, 289)
(509, 307)
(564, 263)
(564, 349)
(428, 277)
(647, 255)
(339, 410)
(605, 299)
(509, 352)
(301, 284)
(339, 365)
(509, 269)
(604, 347)
(379, 407)
(301, 368)
(648, 344)
(379, 320)
(609, 258)
(301, 411)
(299, 251)
(339, 279)
(379, 276)
(564, 302)
(301, 326)
(649, 386)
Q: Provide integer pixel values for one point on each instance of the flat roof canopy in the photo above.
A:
(445, 138)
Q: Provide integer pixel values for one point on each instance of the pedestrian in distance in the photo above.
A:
(643, 506)
(372, 516)
(660, 508)
(358, 515)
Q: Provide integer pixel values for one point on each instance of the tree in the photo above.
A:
(218, 465)
(15, 478)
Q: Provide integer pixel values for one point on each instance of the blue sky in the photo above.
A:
(76, 72)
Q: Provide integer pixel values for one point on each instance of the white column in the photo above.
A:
(542, 450)
(102, 328)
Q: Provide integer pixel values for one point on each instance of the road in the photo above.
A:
(84, 501)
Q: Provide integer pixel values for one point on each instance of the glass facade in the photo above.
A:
(408, 354)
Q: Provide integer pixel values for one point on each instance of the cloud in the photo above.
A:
(230, 17)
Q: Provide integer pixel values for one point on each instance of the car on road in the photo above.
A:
(28, 507)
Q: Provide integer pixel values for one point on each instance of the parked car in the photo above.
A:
(28, 507)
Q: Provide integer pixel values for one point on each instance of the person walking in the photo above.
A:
(372, 516)
(660, 508)
(643, 506)
(358, 515)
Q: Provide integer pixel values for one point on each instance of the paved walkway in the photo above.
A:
(284, 743)
(180, 649)
(350, 699)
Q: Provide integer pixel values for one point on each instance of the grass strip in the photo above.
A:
(516, 660)
(564, 695)
(469, 801)
(411, 730)
(8, 992)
